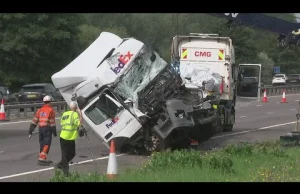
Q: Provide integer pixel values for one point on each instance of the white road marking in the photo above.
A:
(17, 122)
(242, 117)
(253, 130)
(293, 109)
(268, 113)
(297, 100)
(1, 152)
(258, 105)
(51, 168)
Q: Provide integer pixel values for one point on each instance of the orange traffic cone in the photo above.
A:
(283, 99)
(2, 112)
(265, 98)
(112, 162)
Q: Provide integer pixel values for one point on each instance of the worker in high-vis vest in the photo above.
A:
(45, 118)
(70, 122)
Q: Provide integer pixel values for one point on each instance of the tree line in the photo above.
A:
(34, 46)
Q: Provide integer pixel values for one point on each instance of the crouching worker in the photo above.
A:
(45, 117)
(70, 122)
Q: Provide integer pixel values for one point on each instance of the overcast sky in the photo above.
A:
(298, 17)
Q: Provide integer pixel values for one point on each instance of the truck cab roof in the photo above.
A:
(86, 63)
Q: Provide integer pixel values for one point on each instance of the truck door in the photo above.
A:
(249, 80)
(109, 119)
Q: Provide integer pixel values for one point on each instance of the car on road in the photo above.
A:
(37, 91)
(294, 79)
(279, 79)
(248, 87)
(7, 95)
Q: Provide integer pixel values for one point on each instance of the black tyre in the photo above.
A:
(202, 133)
(229, 127)
(156, 144)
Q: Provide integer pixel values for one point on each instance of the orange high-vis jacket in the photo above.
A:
(45, 116)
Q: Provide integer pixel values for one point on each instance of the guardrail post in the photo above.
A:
(59, 108)
(7, 113)
(25, 112)
(18, 112)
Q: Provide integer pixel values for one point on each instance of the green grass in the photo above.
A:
(264, 162)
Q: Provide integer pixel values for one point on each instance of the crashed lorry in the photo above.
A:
(129, 94)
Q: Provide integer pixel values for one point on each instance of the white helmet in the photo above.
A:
(47, 99)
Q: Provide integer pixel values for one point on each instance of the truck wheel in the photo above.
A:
(156, 144)
(229, 127)
(217, 125)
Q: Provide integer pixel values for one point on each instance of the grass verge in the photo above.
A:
(263, 162)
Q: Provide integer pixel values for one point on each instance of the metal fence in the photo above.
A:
(20, 110)
(278, 90)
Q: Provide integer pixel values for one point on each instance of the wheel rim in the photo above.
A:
(152, 144)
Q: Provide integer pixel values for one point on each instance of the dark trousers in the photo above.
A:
(67, 154)
(45, 137)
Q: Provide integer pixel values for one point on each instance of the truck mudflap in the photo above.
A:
(179, 116)
(205, 127)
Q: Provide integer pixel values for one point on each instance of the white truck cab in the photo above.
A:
(105, 81)
(86, 78)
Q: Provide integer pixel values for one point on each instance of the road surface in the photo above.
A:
(19, 154)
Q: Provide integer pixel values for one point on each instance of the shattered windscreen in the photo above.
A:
(139, 75)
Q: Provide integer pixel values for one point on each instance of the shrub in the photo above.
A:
(239, 149)
(183, 158)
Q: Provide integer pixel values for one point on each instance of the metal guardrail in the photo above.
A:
(278, 90)
(59, 106)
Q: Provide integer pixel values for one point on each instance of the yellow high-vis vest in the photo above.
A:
(69, 125)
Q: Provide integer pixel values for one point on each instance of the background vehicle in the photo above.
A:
(37, 91)
(248, 86)
(294, 79)
(279, 79)
(7, 95)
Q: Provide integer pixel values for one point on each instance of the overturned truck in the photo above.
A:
(128, 93)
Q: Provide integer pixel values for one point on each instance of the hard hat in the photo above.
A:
(47, 99)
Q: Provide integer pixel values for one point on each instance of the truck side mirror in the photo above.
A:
(81, 101)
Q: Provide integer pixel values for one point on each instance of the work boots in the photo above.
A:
(65, 170)
(44, 162)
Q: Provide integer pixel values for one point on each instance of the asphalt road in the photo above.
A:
(19, 154)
